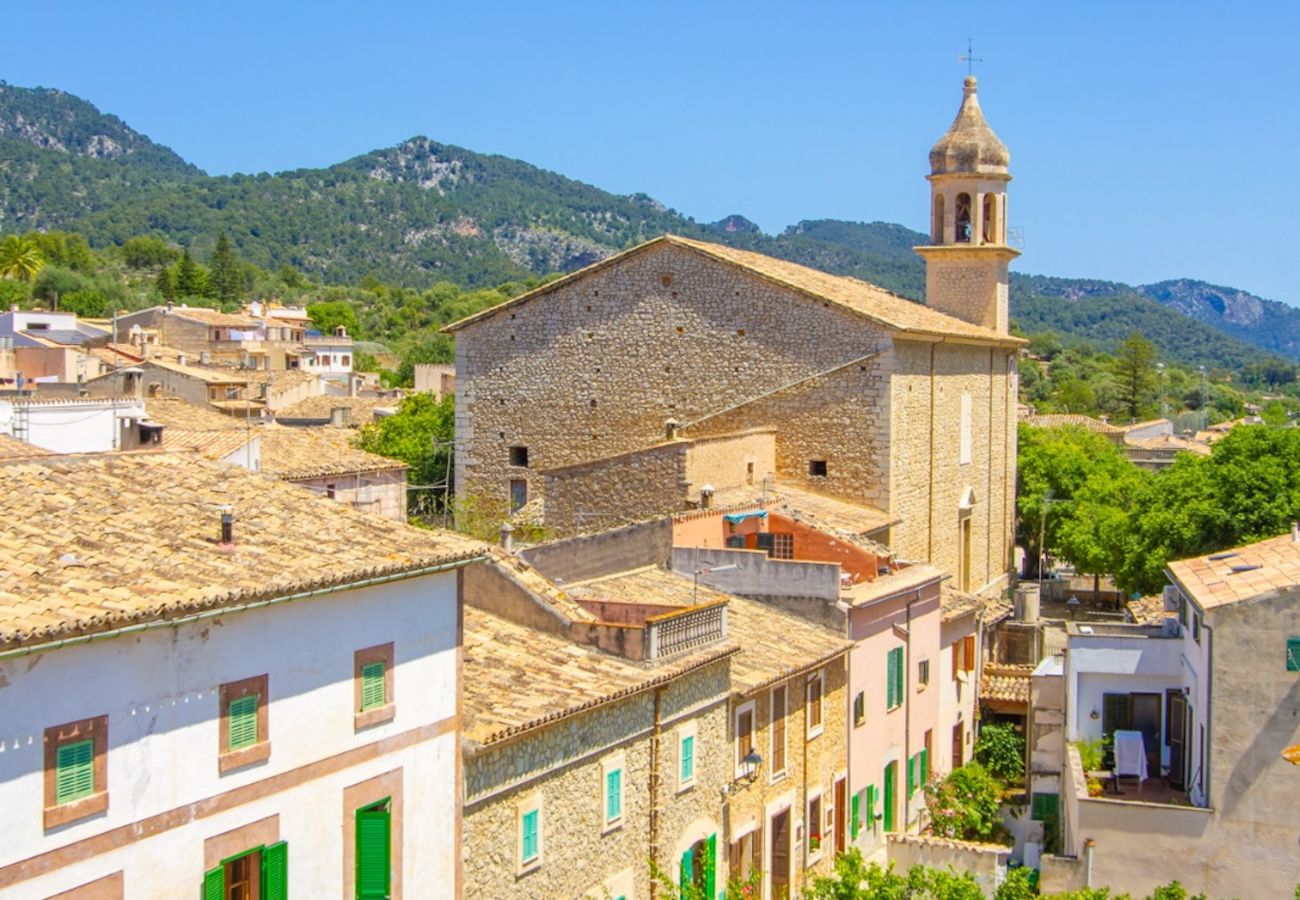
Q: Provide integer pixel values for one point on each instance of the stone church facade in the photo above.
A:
(873, 398)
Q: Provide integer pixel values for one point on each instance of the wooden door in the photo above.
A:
(1145, 716)
(841, 818)
(1177, 732)
(958, 744)
(780, 855)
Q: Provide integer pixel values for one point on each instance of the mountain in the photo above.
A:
(424, 212)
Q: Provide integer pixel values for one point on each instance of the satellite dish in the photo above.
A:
(1292, 754)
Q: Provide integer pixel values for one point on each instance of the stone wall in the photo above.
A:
(594, 555)
(609, 492)
(730, 461)
(380, 493)
(929, 482)
(812, 766)
(600, 364)
(563, 766)
(985, 862)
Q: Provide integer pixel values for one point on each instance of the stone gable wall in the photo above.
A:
(608, 493)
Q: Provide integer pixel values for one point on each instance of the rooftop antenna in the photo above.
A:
(969, 58)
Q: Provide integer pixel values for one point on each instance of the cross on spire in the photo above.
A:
(969, 58)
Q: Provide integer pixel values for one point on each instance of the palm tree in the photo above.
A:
(20, 258)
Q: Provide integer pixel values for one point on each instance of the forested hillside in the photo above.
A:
(425, 213)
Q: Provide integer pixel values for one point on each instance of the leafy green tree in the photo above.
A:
(291, 277)
(55, 282)
(1001, 750)
(225, 276)
(964, 804)
(1274, 414)
(65, 248)
(1135, 370)
(145, 252)
(1092, 532)
(330, 315)
(410, 436)
(166, 283)
(20, 258)
(429, 348)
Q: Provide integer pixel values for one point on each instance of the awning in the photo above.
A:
(734, 518)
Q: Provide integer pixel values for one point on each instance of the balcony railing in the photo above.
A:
(687, 629)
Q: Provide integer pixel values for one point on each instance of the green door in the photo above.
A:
(374, 852)
(891, 786)
(711, 867)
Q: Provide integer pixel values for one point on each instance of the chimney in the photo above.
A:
(1295, 532)
(227, 526)
(340, 331)
(507, 537)
(170, 306)
(205, 357)
(353, 381)
(706, 497)
(670, 429)
(341, 416)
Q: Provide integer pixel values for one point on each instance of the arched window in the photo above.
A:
(937, 221)
(963, 219)
(990, 218)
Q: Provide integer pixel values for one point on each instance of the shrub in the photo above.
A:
(1091, 754)
(964, 805)
(1001, 750)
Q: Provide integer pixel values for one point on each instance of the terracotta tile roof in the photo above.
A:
(1009, 684)
(1148, 610)
(95, 542)
(210, 316)
(205, 374)
(839, 516)
(13, 448)
(773, 644)
(517, 679)
(953, 604)
(185, 416)
(1060, 420)
(1266, 567)
(1169, 444)
(209, 444)
(909, 579)
(293, 453)
(550, 594)
(891, 311)
(363, 408)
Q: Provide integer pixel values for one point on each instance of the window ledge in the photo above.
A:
(245, 756)
(76, 809)
(611, 827)
(685, 786)
(372, 717)
(813, 858)
(778, 777)
(816, 732)
(529, 867)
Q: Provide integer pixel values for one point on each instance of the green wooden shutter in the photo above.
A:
(214, 884)
(275, 872)
(374, 852)
(899, 676)
(613, 795)
(854, 811)
(372, 686)
(925, 765)
(1293, 654)
(243, 722)
(687, 874)
(74, 775)
(911, 780)
(889, 680)
(711, 867)
(529, 837)
(688, 757)
(891, 776)
(871, 807)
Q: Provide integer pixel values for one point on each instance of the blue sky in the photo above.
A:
(1149, 140)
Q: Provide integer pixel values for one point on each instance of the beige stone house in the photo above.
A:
(904, 407)
(595, 739)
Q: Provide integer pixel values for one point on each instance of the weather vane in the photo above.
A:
(969, 59)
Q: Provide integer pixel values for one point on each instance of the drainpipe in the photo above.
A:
(807, 827)
(908, 665)
(654, 789)
(1087, 855)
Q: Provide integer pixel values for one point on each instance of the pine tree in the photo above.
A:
(226, 276)
(167, 283)
(191, 279)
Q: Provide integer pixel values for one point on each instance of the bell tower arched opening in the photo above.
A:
(991, 234)
(962, 219)
(937, 220)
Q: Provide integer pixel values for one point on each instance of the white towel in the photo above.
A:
(1130, 754)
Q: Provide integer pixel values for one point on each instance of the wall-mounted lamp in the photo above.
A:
(749, 766)
(1094, 715)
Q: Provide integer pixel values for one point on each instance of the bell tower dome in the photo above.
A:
(966, 260)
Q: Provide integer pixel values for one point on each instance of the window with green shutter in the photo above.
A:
(372, 686)
(688, 757)
(268, 866)
(911, 779)
(613, 795)
(871, 807)
(374, 852)
(243, 722)
(925, 765)
(275, 872)
(1045, 806)
(894, 676)
(1293, 654)
(530, 846)
(855, 811)
(74, 774)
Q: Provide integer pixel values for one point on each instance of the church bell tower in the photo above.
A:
(967, 257)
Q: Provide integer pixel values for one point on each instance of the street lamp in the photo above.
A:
(749, 766)
(695, 588)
